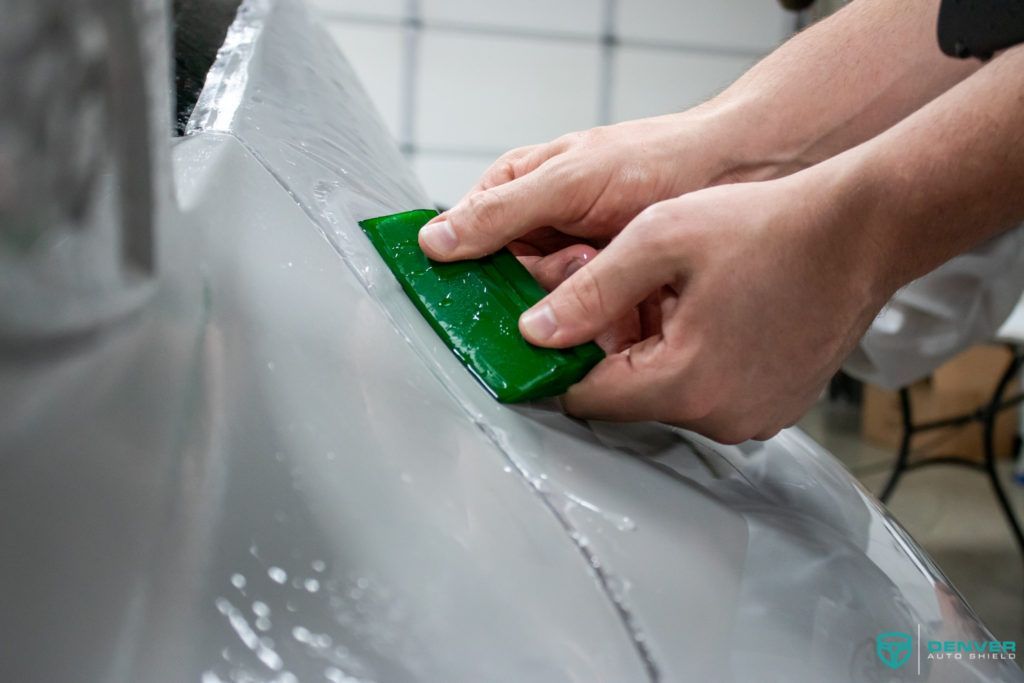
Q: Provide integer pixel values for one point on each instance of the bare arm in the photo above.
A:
(944, 179)
(837, 84)
(828, 89)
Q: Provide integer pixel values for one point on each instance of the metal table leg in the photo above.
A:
(988, 437)
(987, 416)
(903, 456)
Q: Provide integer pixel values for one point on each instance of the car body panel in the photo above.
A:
(275, 471)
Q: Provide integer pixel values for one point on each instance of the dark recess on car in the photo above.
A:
(199, 30)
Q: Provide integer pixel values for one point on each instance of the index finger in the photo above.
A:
(513, 164)
(490, 219)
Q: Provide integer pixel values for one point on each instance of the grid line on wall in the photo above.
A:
(419, 23)
(413, 23)
(606, 71)
(412, 27)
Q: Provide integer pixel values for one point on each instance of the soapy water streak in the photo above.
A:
(352, 186)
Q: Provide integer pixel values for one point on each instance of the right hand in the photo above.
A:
(744, 301)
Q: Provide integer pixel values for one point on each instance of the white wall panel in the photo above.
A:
(494, 92)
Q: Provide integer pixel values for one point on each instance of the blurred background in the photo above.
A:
(459, 81)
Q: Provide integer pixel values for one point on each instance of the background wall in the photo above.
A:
(461, 81)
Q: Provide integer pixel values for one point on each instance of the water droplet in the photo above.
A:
(270, 366)
(277, 575)
(312, 585)
(625, 524)
(260, 609)
(318, 565)
(238, 581)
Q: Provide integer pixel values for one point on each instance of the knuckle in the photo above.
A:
(482, 213)
(515, 153)
(650, 233)
(595, 136)
(512, 164)
(652, 218)
(645, 226)
(517, 167)
(502, 171)
(576, 135)
(585, 296)
(576, 138)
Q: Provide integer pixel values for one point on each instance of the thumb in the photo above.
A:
(637, 262)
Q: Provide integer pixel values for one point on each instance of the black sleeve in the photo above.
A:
(979, 28)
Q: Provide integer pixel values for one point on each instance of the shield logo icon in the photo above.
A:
(893, 648)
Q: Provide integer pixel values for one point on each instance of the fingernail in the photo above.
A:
(573, 266)
(539, 323)
(439, 237)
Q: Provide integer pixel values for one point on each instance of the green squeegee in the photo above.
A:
(475, 306)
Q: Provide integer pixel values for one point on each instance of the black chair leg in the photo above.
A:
(988, 436)
(904, 453)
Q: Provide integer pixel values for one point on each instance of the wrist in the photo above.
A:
(847, 208)
(749, 143)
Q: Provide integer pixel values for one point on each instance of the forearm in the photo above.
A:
(941, 181)
(833, 86)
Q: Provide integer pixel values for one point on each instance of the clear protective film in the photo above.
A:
(764, 561)
(275, 471)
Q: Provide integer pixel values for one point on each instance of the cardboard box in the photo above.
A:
(961, 385)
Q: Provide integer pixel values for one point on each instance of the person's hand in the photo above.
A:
(750, 296)
(555, 204)
(582, 188)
